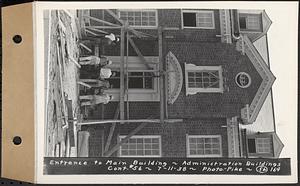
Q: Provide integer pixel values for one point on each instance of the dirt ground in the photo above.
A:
(61, 36)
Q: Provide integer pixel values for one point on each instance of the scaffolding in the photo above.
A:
(126, 35)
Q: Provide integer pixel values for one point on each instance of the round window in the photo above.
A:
(243, 80)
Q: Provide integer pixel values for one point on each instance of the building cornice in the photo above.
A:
(250, 112)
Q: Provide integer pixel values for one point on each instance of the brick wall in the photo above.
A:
(166, 18)
(200, 47)
(173, 136)
(95, 140)
(226, 104)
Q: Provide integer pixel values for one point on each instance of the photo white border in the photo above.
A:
(290, 8)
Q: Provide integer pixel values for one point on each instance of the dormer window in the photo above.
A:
(250, 22)
(202, 19)
(259, 145)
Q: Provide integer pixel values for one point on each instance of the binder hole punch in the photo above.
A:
(17, 39)
(17, 140)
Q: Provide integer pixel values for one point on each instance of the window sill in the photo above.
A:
(205, 156)
(193, 92)
(197, 28)
(144, 27)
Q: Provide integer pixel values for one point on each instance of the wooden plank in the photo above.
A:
(93, 33)
(134, 32)
(122, 82)
(138, 53)
(96, 50)
(122, 121)
(161, 78)
(97, 30)
(112, 129)
(85, 47)
(145, 70)
(115, 16)
(104, 27)
(74, 61)
(171, 28)
(68, 13)
(127, 77)
(101, 21)
(102, 111)
(166, 76)
(118, 145)
(60, 58)
(84, 84)
(141, 34)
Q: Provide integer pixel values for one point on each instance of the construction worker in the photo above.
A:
(100, 40)
(104, 84)
(94, 60)
(106, 73)
(95, 99)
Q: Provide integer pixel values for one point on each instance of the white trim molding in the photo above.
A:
(194, 68)
(203, 137)
(174, 77)
(233, 137)
(250, 114)
(225, 26)
(245, 75)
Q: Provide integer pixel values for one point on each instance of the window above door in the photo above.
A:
(199, 19)
(143, 81)
(137, 79)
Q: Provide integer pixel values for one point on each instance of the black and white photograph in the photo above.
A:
(173, 91)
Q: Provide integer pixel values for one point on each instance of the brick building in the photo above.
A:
(215, 80)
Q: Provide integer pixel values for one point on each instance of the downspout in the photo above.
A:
(240, 140)
(232, 26)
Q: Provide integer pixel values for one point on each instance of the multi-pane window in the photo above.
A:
(204, 146)
(136, 80)
(139, 18)
(149, 146)
(263, 145)
(250, 22)
(259, 145)
(203, 79)
(198, 19)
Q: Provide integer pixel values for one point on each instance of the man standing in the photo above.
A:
(100, 40)
(104, 84)
(95, 99)
(105, 73)
(95, 60)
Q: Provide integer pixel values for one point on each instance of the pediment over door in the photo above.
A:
(174, 77)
